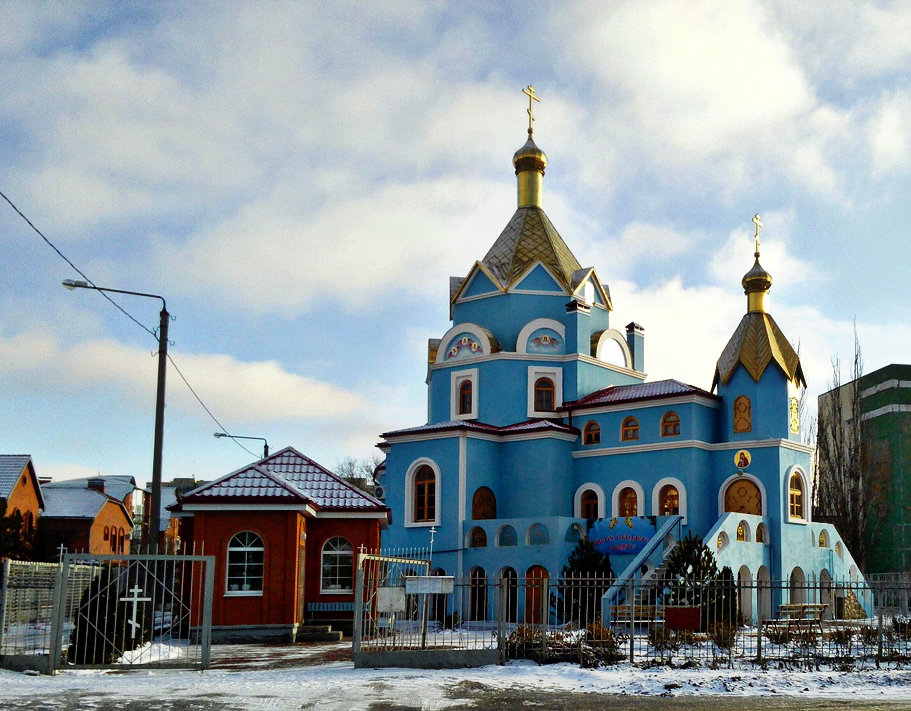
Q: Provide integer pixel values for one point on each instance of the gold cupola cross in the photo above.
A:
(529, 91)
(758, 222)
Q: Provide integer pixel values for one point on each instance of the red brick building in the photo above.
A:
(19, 488)
(81, 515)
(286, 534)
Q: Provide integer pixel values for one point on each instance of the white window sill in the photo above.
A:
(336, 592)
(243, 593)
(421, 524)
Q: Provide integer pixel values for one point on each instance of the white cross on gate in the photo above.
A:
(135, 600)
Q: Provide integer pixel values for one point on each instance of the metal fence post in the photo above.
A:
(501, 618)
(545, 614)
(209, 588)
(358, 611)
(632, 623)
(4, 591)
(879, 639)
(759, 637)
(60, 592)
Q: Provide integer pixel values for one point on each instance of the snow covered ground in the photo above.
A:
(322, 676)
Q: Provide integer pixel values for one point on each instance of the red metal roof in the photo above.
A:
(285, 477)
(617, 394)
(471, 426)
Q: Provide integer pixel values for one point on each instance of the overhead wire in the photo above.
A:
(126, 313)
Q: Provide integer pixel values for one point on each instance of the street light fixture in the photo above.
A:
(219, 435)
(154, 521)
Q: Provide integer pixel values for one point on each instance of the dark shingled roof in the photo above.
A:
(285, 477)
(527, 426)
(11, 468)
(618, 394)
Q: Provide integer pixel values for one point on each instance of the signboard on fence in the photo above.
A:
(429, 584)
(390, 599)
(621, 536)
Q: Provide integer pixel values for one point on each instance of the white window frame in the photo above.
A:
(805, 499)
(322, 567)
(681, 494)
(240, 591)
(456, 379)
(640, 497)
(577, 499)
(556, 375)
(409, 494)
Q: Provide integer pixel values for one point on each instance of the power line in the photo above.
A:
(125, 313)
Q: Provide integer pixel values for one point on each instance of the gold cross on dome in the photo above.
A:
(529, 91)
(758, 222)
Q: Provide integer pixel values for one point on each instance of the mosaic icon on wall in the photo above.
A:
(463, 346)
(545, 340)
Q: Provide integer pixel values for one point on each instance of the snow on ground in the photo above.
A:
(250, 677)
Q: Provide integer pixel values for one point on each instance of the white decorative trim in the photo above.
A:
(613, 334)
(565, 358)
(247, 507)
(681, 493)
(886, 410)
(577, 499)
(242, 593)
(351, 514)
(805, 498)
(471, 328)
(477, 297)
(640, 497)
(456, 379)
(538, 292)
(663, 402)
(696, 444)
(727, 482)
(885, 385)
(517, 437)
(409, 521)
(556, 375)
(532, 326)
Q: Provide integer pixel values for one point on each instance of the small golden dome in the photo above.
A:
(529, 157)
(757, 279)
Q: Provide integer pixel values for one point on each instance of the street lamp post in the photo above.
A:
(265, 443)
(154, 521)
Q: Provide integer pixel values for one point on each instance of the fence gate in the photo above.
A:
(132, 611)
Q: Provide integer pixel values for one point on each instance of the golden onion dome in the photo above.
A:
(529, 157)
(757, 279)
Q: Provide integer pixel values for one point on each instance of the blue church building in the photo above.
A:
(541, 428)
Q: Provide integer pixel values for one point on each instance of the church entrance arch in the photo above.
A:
(798, 586)
(535, 594)
(511, 583)
(743, 496)
(745, 583)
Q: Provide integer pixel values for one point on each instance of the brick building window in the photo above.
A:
(245, 562)
(337, 566)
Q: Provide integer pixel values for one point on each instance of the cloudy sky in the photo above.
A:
(299, 180)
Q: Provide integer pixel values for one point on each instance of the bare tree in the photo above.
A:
(359, 471)
(852, 479)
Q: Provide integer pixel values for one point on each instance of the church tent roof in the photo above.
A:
(756, 343)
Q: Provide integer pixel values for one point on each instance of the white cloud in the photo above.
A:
(244, 392)
(890, 143)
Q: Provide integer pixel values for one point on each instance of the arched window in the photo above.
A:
(107, 533)
(544, 395)
(628, 502)
(511, 583)
(245, 562)
(838, 549)
(113, 540)
(823, 539)
(630, 429)
(668, 501)
(121, 540)
(574, 533)
(477, 595)
(29, 522)
(536, 594)
(483, 504)
(537, 535)
(477, 538)
(743, 496)
(507, 536)
(337, 566)
(589, 504)
(721, 541)
(425, 495)
(743, 418)
(795, 498)
(761, 533)
(670, 424)
(742, 531)
(465, 398)
(592, 433)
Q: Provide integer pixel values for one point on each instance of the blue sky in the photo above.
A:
(299, 180)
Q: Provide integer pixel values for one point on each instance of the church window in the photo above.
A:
(245, 562)
(721, 541)
(743, 496)
(668, 501)
(483, 504)
(823, 539)
(507, 536)
(477, 594)
(465, 400)
(544, 395)
(630, 429)
(741, 531)
(628, 502)
(592, 433)
(424, 495)
(795, 498)
(589, 503)
(107, 533)
(337, 565)
(670, 424)
(477, 538)
(537, 535)
(761, 533)
(838, 548)
(743, 418)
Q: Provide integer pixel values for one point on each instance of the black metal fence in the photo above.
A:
(842, 624)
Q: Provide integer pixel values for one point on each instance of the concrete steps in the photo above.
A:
(317, 633)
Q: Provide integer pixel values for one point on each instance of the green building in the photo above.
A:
(885, 411)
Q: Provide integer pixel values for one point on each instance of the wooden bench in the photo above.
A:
(637, 613)
(799, 616)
